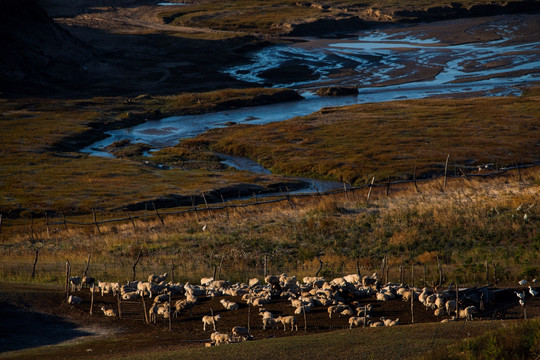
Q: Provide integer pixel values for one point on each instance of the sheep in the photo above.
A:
(364, 310)
(152, 313)
(76, 283)
(269, 322)
(108, 287)
(229, 305)
(210, 320)
(358, 320)
(288, 320)
(467, 313)
(240, 332)
(260, 301)
(108, 312)
(130, 295)
(206, 281)
(183, 305)
(376, 324)
(163, 310)
(74, 299)
(87, 281)
(451, 306)
(144, 287)
(352, 278)
(253, 282)
(161, 298)
(156, 279)
(316, 281)
(439, 312)
(220, 338)
(389, 322)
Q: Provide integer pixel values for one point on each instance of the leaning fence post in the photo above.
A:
(119, 305)
(305, 316)
(92, 298)
(135, 264)
(170, 315)
(370, 189)
(157, 213)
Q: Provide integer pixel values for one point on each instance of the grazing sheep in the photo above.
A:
(358, 321)
(108, 312)
(389, 322)
(210, 320)
(269, 322)
(352, 278)
(220, 338)
(229, 305)
(467, 313)
(76, 283)
(74, 299)
(376, 324)
(260, 301)
(240, 332)
(156, 279)
(287, 320)
(347, 312)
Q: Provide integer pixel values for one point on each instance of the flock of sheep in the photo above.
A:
(339, 296)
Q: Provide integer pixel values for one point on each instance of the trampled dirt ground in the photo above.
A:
(36, 315)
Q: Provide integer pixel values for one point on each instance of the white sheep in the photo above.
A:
(229, 305)
(145, 287)
(184, 304)
(130, 295)
(108, 287)
(389, 322)
(210, 320)
(451, 306)
(352, 278)
(467, 313)
(74, 299)
(108, 312)
(205, 281)
(288, 320)
(358, 321)
(220, 338)
(240, 332)
(156, 279)
(439, 312)
(253, 282)
(269, 322)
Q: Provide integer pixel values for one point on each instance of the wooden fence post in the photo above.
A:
(414, 180)
(305, 316)
(87, 265)
(446, 171)
(68, 274)
(35, 262)
(388, 186)
(158, 215)
(135, 264)
(265, 265)
(92, 288)
(119, 305)
(46, 224)
(95, 220)
(320, 267)
(457, 301)
(144, 307)
(64, 221)
(412, 295)
(439, 268)
(170, 315)
(370, 189)
(249, 318)
(194, 208)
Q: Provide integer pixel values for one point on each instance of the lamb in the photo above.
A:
(220, 338)
(87, 281)
(352, 278)
(451, 306)
(313, 281)
(439, 312)
(358, 321)
(183, 305)
(229, 305)
(240, 332)
(74, 299)
(287, 320)
(76, 283)
(389, 322)
(161, 298)
(108, 312)
(253, 282)
(152, 313)
(210, 320)
(156, 279)
(467, 313)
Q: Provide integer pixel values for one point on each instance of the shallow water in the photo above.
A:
(411, 63)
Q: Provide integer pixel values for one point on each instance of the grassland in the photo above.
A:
(388, 140)
(41, 170)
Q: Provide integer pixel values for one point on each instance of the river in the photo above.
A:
(483, 57)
